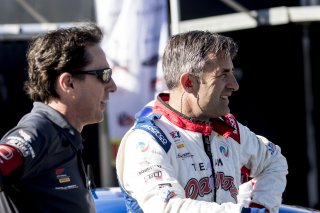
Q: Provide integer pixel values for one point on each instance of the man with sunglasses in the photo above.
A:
(69, 80)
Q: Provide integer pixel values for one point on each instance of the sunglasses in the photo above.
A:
(103, 74)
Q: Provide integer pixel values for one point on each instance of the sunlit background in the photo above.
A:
(277, 69)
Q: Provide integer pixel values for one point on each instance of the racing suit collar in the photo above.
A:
(192, 124)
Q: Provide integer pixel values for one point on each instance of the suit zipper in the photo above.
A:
(207, 149)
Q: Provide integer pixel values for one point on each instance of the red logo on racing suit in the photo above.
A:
(231, 120)
(226, 183)
(195, 188)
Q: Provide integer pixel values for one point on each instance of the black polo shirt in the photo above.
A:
(52, 178)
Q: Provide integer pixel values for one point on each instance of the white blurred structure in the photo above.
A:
(134, 36)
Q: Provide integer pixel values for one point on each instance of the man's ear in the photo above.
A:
(186, 82)
(64, 81)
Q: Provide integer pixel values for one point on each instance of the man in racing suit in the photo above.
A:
(190, 154)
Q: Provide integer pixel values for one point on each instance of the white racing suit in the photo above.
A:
(162, 165)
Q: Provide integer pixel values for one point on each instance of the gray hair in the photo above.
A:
(188, 52)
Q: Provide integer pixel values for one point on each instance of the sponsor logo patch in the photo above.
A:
(148, 169)
(184, 155)
(271, 147)
(224, 149)
(142, 146)
(156, 132)
(180, 145)
(61, 175)
(5, 154)
(175, 134)
(167, 195)
(22, 142)
(156, 175)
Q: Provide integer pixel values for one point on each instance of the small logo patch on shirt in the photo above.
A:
(167, 195)
(142, 146)
(62, 176)
(64, 180)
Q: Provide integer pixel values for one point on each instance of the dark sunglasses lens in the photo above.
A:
(106, 75)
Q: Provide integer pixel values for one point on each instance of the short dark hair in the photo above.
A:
(55, 52)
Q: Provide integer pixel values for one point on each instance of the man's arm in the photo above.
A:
(267, 166)
(10, 159)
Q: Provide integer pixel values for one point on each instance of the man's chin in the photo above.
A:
(225, 112)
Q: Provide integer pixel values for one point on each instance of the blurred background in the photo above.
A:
(277, 66)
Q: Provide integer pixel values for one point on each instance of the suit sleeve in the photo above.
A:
(267, 166)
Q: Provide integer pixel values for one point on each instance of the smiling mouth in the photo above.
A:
(225, 99)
